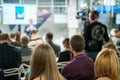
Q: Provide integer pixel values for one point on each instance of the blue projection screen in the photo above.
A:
(19, 14)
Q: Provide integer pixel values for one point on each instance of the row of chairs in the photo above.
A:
(14, 72)
(22, 71)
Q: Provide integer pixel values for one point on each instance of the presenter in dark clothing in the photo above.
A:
(89, 32)
(30, 27)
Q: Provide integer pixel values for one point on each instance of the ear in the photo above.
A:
(71, 49)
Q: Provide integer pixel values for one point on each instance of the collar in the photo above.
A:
(79, 56)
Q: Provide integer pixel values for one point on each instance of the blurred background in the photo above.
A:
(55, 16)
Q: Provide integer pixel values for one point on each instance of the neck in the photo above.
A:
(96, 20)
(4, 41)
(34, 37)
(78, 53)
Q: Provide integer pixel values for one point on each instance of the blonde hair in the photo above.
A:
(107, 64)
(43, 63)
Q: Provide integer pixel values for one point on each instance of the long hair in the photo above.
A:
(107, 64)
(43, 63)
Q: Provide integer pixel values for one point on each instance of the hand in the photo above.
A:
(28, 28)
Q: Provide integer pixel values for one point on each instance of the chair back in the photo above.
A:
(1, 74)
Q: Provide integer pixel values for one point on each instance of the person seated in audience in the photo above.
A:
(34, 39)
(0, 32)
(49, 40)
(80, 67)
(10, 56)
(65, 55)
(113, 33)
(25, 50)
(118, 39)
(107, 65)
(111, 46)
(13, 40)
(43, 64)
(17, 36)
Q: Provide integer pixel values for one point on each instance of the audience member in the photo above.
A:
(25, 50)
(0, 31)
(34, 39)
(107, 65)
(49, 39)
(95, 34)
(81, 67)
(117, 42)
(43, 64)
(13, 40)
(111, 46)
(113, 33)
(17, 36)
(10, 56)
(65, 55)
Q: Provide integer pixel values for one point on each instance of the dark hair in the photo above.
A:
(4, 36)
(25, 40)
(94, 14)
(49, 35)
(17, 36)
(33, 32)
(66, 43)
(12, 35)
(0, 31)
(110, 46)
(77, 43)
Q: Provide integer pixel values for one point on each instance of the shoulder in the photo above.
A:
(66, 52)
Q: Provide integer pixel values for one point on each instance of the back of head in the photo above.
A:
(66, 43)
(24, 40)
(77, 43)
(43, 63)
(107, 64)
(13, 35)
(118, 34)
(33, 32)
(17, 36)
(4, 36)
(110, 46)
(93, 15)
(49, 35)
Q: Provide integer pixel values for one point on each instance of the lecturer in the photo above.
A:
(30, 27)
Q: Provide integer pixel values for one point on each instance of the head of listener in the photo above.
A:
(107, 65)
(110, 46)
(66, 43)
(77, 44)
(33, 34)
(49, 36)
(43, 64)
(4, 38)
(24, 40)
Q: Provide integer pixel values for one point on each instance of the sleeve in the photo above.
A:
(60, 59)
(19, 57)
(106, 37)
(26, 30)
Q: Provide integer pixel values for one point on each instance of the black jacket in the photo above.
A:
(10, 56)
(87, 34)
